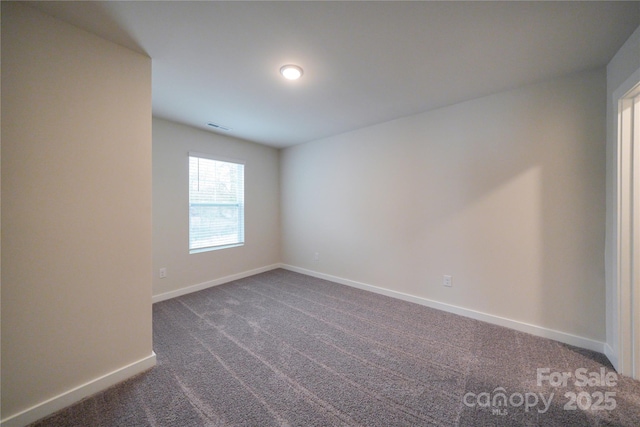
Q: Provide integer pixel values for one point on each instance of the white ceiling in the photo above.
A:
(364, 62)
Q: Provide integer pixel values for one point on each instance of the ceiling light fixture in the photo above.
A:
(291, 72)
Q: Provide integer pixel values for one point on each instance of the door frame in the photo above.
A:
(627, 260)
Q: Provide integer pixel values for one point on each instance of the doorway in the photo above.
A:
(628, 221)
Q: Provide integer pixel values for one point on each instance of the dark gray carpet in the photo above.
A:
(284, 349)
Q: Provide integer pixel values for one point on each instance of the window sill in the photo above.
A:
(214, 248)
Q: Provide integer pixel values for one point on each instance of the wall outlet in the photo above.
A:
(163, 273)
(316, 257)
(447, 281)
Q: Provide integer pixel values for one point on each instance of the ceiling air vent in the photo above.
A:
(219, 127)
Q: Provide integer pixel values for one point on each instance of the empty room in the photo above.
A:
(320, 213)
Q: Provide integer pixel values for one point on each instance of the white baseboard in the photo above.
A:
(612, 356)
(76, 394)
(210, 283)
(563, 337)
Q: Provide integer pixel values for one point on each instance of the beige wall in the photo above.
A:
(505, 193)
(172, 143)
(76, 208)
(620, 68)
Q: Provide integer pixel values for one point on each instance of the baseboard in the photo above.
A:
(612, 356)
(563, 337)
(76, 394)
(210, 283)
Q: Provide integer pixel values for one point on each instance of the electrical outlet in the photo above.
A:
(316, 257)
(163, 273)
(447, 281)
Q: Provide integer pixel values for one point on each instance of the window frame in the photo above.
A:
(240, 204)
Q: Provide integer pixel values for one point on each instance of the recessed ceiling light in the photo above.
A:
(291, 72)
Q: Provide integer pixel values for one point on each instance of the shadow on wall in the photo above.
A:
(505, 193)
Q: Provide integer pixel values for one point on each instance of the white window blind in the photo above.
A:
(216, 203)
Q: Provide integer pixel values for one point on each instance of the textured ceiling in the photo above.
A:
(364, 62)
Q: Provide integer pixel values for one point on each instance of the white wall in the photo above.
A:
(620, 68)
(505, 193)
(172, 143)
(76, 213)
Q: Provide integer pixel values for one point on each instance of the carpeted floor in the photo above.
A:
(284, 349)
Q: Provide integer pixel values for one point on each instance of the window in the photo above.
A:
(216, 203)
